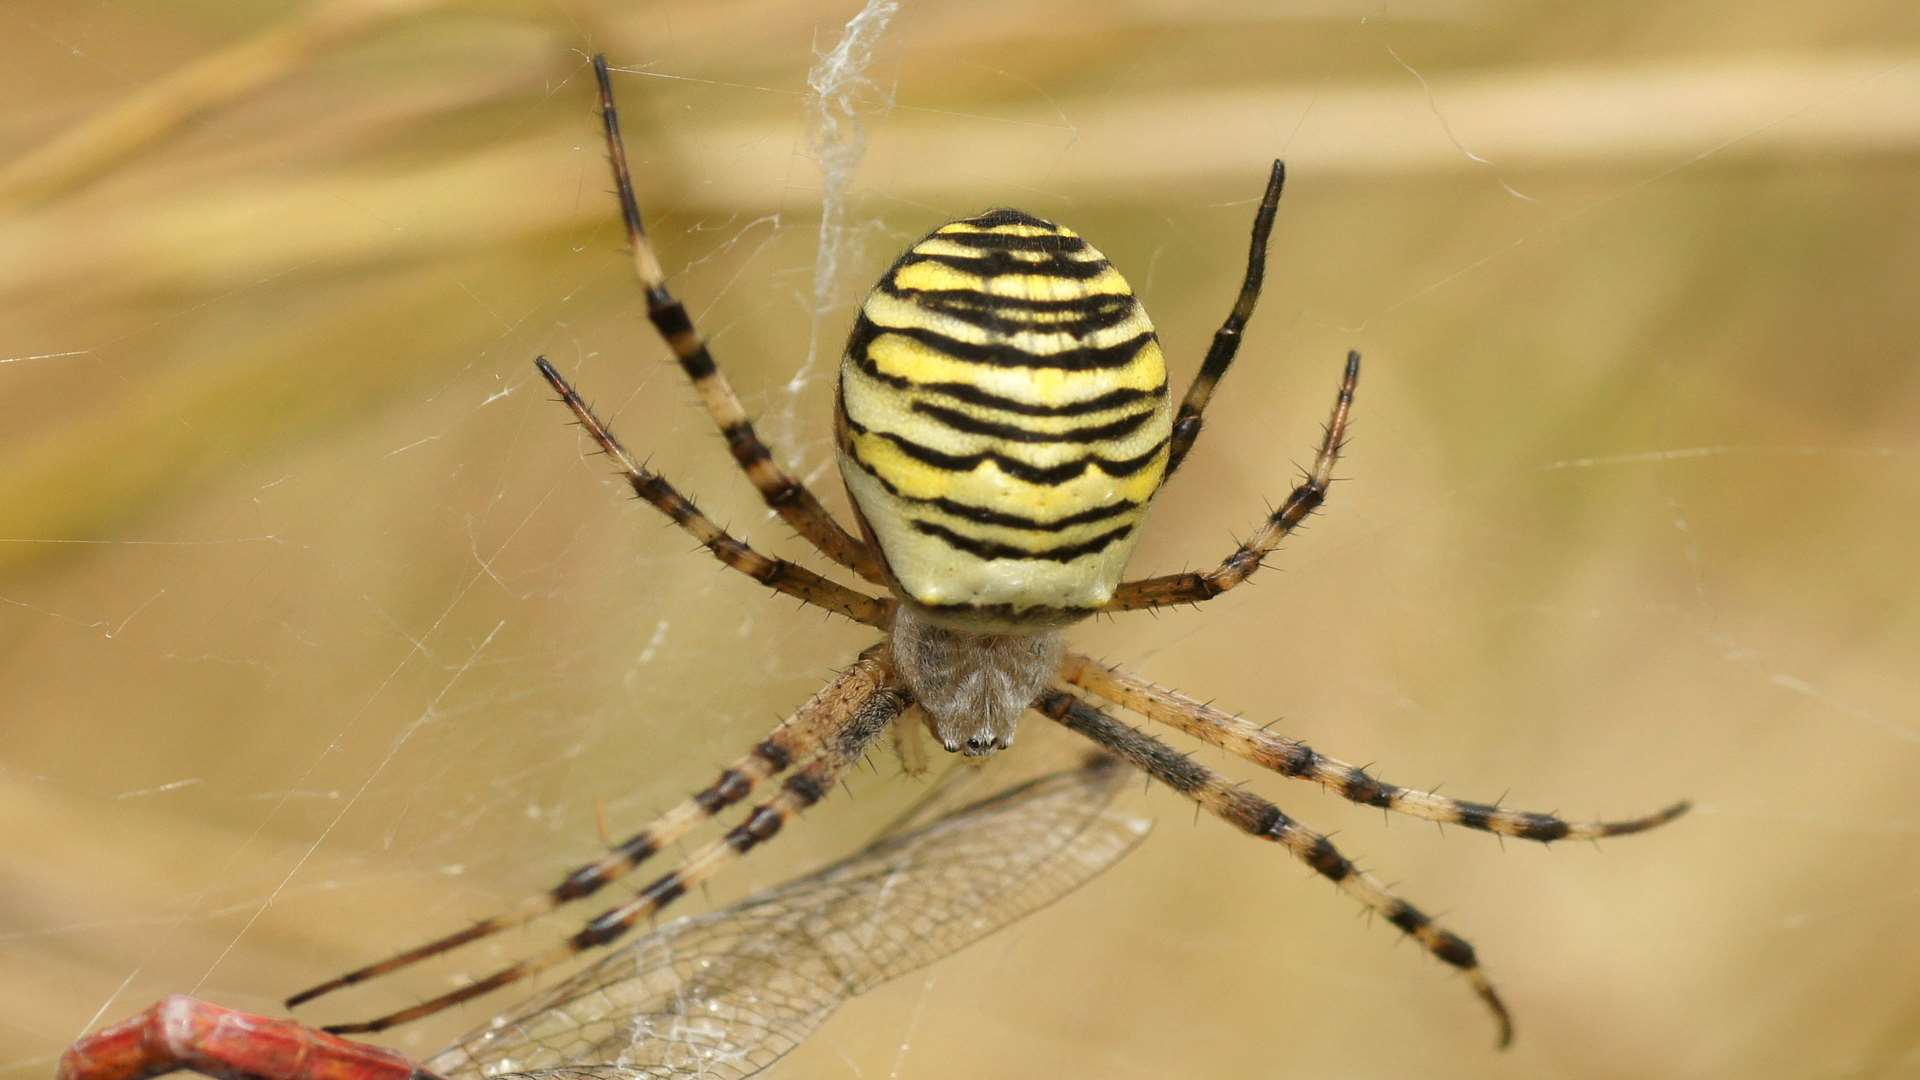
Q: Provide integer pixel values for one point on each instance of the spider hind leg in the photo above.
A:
(1306, 497)
(1226, 340)
(783, 493)
(777, 574)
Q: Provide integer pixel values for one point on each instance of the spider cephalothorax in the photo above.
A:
(973, 685)
(1003, 423)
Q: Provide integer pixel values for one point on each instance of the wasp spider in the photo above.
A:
(1002, 424)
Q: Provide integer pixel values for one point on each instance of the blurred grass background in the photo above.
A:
(318, 635)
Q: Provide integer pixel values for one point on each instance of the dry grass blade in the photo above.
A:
(68, 161)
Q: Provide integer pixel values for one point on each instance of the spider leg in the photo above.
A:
(184, 1033)
(1289, 757)
(1193, 587)
(1226, 340)
(862, 714)
(794, 739)
(777, 574)
(784, 494)
(1257, 817)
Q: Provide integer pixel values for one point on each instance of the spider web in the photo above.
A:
(323, 635)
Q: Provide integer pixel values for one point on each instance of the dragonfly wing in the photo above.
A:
(726, 994)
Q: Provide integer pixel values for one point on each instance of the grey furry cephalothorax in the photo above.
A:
(972, 686)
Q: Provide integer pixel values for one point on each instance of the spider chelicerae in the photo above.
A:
(1002, 423)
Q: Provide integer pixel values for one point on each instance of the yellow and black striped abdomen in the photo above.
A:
(1003, 420)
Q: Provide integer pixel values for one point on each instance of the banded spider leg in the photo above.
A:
(720, 995)
(1260, 818)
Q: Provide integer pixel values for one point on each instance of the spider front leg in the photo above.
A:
(186, 1034)
(1290, 757)
(1191, 588)
(795, 739)
(865, 700)
(1256, 816)
(783, 493)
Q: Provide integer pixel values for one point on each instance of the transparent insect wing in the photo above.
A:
(727, 994)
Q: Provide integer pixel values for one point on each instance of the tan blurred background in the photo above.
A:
(318, 634)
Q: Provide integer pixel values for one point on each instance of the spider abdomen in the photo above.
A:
(1004, 421)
